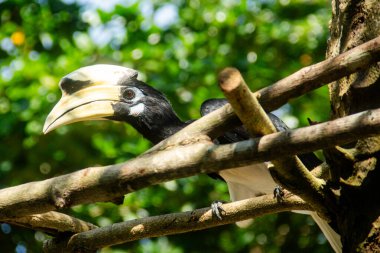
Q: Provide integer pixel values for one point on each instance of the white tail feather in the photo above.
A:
(250, 181)
(238, 192)
(331, 236)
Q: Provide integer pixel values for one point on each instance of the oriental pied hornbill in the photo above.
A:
(101, 92)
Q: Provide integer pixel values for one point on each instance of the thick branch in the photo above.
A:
(176, 223)
(107, 183)
(315, 76)
(288, 170)
(52, 223)
(56, 224)
(299, 83)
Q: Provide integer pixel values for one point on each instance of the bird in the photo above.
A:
(111, 92)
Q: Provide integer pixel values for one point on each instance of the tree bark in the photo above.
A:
(174, 223)
(356, 171)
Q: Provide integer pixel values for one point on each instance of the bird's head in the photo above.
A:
(101, 92)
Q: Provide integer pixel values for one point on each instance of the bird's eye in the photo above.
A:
(129, 94)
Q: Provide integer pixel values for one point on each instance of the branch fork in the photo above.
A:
(289, 171)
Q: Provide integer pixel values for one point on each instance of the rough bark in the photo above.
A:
(356, 171)
(173, 223)
(52, 223)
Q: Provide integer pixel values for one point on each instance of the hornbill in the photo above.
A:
(112, 92)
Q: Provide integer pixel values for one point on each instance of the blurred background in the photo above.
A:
(178, 47)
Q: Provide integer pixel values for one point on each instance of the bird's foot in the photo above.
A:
(217, 209)
(278, 193)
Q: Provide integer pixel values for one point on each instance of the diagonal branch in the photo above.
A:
(316, 75)
(244, 103)
(176, 223)
(110, 182)
(299, 83)
(52, 223)
(290, 171)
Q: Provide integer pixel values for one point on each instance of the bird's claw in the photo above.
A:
(278, 193)
(217, 209)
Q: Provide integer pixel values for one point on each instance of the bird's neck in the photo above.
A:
(156, 129)
(157, 134)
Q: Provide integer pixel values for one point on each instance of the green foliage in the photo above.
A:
(178, 47)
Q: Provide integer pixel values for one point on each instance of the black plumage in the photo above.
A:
(157, 122)
(310, 160)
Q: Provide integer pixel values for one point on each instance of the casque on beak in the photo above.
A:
(88, 93)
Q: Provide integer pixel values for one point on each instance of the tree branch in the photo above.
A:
(244, 103)
(176, 223)
(315, 76)
(289, 171)
(56, 224)
(295, 85)
(52, 223)
(110, 182)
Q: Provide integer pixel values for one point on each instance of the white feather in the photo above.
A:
(247, 182)
(330, 234)
(255, 180)
(137, 110)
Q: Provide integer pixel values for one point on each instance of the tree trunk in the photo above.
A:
(355, 168)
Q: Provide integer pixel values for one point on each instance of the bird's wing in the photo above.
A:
(240, 133)
(237, 134)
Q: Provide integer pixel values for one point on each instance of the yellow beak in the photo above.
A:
(91, 103)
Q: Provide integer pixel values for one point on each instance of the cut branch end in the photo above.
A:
(229, 79)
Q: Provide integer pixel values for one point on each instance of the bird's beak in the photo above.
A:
(93, 103)
(88, 94)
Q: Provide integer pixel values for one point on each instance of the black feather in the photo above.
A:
(310, 160)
